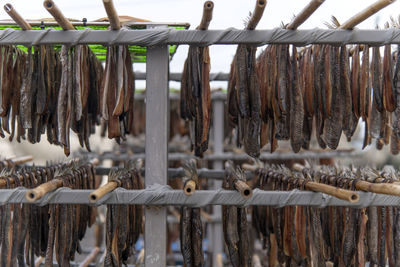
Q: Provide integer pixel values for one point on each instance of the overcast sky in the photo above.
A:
(227, 13)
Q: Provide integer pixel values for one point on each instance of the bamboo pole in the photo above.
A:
(102, 191)
(22, 160)
(366, 13)
(39, 261)
(380, 188)
(189, 187)
(305, 14)
(17, 17)
(243, 188)
(38, 192)
(112, 15)
(207, 15)
(340, 193)
(64, 23)
(90, 258)
(257, 14)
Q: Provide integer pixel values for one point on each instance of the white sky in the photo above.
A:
(227, 13)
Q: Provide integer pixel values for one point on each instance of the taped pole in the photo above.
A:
(305, 14)
(340, 193)
(257, 14)
(43, 189)
(25, 26)
(102, 191)
(112, 15)
(366, 13)
(57, 15)
(207, 15)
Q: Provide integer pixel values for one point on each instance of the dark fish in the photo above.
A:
(389, 101)
(396, 235)
(348, 248)
(345, 89)
(197, 238)
(26, 97)
(333, 123)
(376, 67)
(296, 106)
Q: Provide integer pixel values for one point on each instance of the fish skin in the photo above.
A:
(242, 81)
(376, 67)
(346, 91)
(197, 238)
(296, 106)
(396, 235)
(389, 101)
(381, 236)
(333, 123)
(282, 93)
(348, 248)
(361, 249)
(25, 104)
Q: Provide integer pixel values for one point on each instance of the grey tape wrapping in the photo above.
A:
(216, 76)
(153, 37)
(235, 156)
(159, 195)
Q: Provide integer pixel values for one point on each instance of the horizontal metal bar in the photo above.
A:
(95, 23)
(153, 37)
(177, 76)
(174, 96)
(235, 156)
(159, 195)
(178, 173)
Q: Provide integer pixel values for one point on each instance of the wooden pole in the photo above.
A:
(57, 15)
(22, 160)
(112, 15)
(189, 187)
(243, 188)
(17, 17)
(366, 13)
(340, 193)
(305, 14)
(38, 192)
(90, 258)
(380, 188)
(207, 15)
(257, 14)
(102, 191)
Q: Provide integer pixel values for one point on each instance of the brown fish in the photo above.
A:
(389, 101)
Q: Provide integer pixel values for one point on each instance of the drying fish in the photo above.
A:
(191, 228)
(235, 226)
(121, 232)
(196, 97)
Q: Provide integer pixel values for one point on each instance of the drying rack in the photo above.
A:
(157, 38)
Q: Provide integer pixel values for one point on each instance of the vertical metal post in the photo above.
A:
(216, 228)
(156, 164)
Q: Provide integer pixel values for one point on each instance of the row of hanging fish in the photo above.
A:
(288, 93)
(191, 227)
(28, 231)
(234, 222)
(195, 97)
(123, 222)
(342, 236)
(55, 90)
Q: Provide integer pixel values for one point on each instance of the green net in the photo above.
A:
(138, 53)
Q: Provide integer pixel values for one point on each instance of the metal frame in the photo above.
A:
(157, 132)
(152, 37)
(157, 122)
(159, 196)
